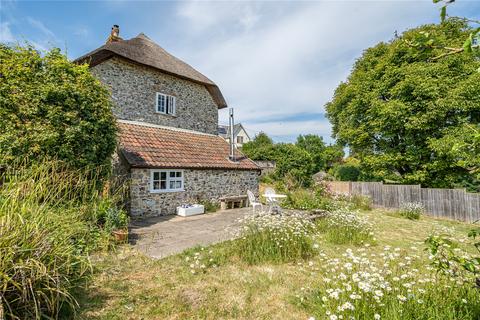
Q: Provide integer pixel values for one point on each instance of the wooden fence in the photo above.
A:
(454, 204)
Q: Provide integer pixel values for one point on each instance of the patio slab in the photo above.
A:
(159, 237)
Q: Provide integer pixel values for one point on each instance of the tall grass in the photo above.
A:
(275, 238)
(396, 284)
(411, 210)
(344, 226)
(48, 227)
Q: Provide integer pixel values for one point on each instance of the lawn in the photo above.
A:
(128, 285)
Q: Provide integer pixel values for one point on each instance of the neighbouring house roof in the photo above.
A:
(224, 131)
(144, 51)
(151, 146)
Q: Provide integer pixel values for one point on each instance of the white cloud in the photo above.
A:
(41, 27)
(81, 31)
(6, 33)
(280, 130)
(287, 58)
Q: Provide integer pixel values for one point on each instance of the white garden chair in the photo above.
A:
(253, 201)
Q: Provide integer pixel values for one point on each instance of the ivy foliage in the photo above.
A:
(53, 108)
(411, 119)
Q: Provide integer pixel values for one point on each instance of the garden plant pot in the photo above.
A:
(120, 235)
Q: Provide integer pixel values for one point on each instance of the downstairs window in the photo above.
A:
(166, 180)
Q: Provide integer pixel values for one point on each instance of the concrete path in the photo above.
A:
(163, 236)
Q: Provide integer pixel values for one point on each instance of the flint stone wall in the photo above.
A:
(198, 184)
(134, 89)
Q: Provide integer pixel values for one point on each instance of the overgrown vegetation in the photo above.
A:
(275, 238)
(435, 143)
(411, 210)
(343, 226)
(206, 281)
(294, 161)
(392, 285)
(210, 206)
(53, 108)
(52, 219)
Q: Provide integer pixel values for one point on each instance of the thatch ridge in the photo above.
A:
(144, 51)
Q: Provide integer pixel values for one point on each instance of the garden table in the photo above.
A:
(272, 201)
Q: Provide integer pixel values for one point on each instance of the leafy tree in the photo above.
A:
(471, 42)
(398, 105)
(346, 172)
(295, 161)
(291, 160)
(333, 154)
(260, 148)
(50, 107)
(315, 146)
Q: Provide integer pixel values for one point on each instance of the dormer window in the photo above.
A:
(165, 104)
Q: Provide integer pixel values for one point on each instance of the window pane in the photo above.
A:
(163, 185)
(161, 103)
(155, 185)
(156, 176)
(172, 174)
(178, 185)
(163, 176)
(179, 174)
(172, 184)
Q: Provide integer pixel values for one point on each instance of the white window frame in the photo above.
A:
(169, 104)
(167, 181)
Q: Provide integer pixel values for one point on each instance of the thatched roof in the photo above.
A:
(144, 51)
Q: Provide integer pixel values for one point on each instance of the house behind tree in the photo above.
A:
(168, 119)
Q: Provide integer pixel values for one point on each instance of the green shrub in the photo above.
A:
(210, 206)
(275, 238)
(344, 226)
(346, 172)
(306, 199)
(361, 202)
(51, 107)
(411, 210)
(49, 226)
(115, 219)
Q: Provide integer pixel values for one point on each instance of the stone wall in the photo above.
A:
(134, 89)
(266, 166)
(198, 185)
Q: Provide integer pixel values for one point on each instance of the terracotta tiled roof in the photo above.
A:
(151, 146)
(144, 51)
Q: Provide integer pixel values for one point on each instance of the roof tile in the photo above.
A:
(151, 146)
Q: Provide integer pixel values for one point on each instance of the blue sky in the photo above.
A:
(277, 63)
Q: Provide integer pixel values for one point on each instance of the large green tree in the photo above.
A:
(401, 103)
(315, 146)
(53, 108)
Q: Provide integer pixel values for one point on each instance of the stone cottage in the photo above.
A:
(168, 119)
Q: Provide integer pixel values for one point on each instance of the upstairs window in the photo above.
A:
(166, 180)
(239, 139)
(165, 104)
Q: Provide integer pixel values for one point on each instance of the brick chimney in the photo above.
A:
(114, 34)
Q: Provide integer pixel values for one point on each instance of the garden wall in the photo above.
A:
(454, 204)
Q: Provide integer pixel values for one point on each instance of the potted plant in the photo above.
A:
(116, 220)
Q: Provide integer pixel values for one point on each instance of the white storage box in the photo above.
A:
(190, 210)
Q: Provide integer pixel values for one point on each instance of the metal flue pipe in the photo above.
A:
(232, 143)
